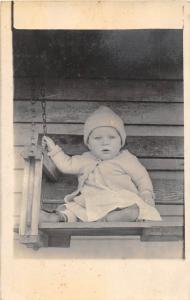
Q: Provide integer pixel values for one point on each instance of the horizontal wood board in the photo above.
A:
(170, 208)
(168, 186)
(22, 131)
(166, 190)
(154, 164)
(77, 112)
(148, 146)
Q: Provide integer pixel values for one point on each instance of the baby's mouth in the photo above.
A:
(105, 150)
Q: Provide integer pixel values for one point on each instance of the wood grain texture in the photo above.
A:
(25, 200)
(100, 90)
(77, 112)
(168, 187)
(143, 147)
(162, 234)
(22, 131)
(168, 230)
(108, 225)
(154, 164)
(147, 146)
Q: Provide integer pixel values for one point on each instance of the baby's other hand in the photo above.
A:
(46, 141)
(148, 198)
(150, 201)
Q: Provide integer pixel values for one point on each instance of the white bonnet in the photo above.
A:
(104, 117)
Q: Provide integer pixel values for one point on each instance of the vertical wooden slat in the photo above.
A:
(23, 214)
(30, 190)
(36, 196)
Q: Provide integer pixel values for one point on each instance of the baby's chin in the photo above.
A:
(106, 155)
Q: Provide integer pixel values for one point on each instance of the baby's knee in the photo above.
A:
(129, 214)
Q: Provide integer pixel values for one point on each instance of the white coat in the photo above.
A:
(106, 185)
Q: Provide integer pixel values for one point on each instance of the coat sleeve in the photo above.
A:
(140, 177)
(65, 163)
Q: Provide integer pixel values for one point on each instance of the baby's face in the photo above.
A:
(104, 142)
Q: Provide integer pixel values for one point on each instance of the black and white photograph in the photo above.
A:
(98, 117)
(95, 162)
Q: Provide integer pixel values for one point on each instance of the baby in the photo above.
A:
(113, 184)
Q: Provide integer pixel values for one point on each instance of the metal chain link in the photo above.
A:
(43, 104)
(33, 114)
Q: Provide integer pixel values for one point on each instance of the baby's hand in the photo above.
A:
(46, 141)
(147, 197)
(150, 201)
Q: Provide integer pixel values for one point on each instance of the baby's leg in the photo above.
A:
(66, 215)
(59, 216)
(128, 214)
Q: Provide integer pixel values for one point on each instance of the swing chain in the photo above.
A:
(33, 115)
(43, 104)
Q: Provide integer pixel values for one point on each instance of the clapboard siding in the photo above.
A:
(22, 131)
(148, 146)
(100, 90)
(77, 112)
(170, 192)
(170, 164)
(153, 116)
(158, 147)
(172, 208)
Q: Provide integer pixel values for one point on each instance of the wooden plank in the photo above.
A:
(168, 189)
(175, 210)
(77, 112)
(109, 225)
(171, 210)
(101, 90)
(165, 183)
(148, 146)
(22, 132)
(36, 199)
(151, 165)
(168, 233)
(59, 240)
(30, 191)
(24, 205)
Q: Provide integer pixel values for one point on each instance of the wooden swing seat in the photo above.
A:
(46, 188)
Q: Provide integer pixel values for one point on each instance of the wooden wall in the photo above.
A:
(150, 103)
(154, 128)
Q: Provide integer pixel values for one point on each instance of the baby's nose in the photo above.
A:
(105, 141)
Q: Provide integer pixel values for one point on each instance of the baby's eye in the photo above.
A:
(97, 137)
(112, 137)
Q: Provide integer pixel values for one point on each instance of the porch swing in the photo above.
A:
(36, 234)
